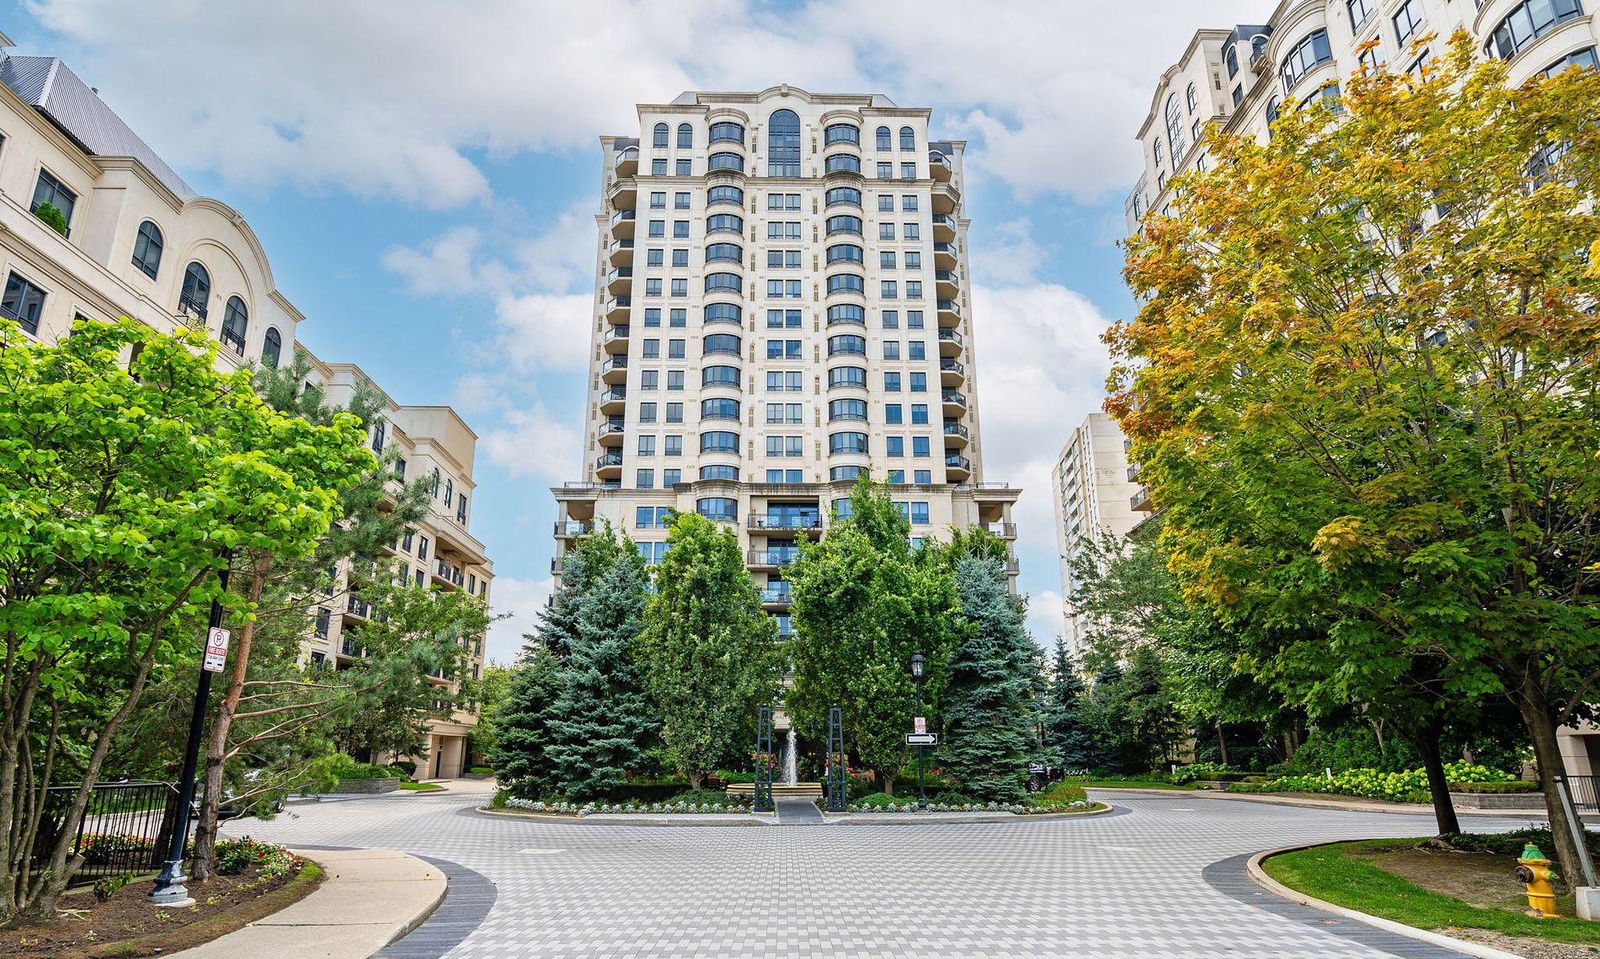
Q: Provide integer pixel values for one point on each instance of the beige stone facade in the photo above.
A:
(782, 302)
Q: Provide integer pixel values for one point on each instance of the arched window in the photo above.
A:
(1175, 128)
(1274, 110)
(659, 140)
(908, 139)
(1157, 146)
(235, 322)
(271, 347)
(1194, 97)
(147, 249)
(685, 136)
(783, 144)
(841, 133)
(727, 132)
(885, 139)
(196, 291)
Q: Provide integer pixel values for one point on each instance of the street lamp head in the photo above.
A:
(916, 665)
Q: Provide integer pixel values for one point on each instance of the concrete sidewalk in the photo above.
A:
(370, 898)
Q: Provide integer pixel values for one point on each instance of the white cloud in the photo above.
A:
(397, 99)
(445, 265)
(534, 443)
(521, 599)
(1045, 622)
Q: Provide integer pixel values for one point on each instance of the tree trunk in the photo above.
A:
(1539, 717)
(1222, 743)
(205, 834)
(696, 777)
(885, 778)
(1444, 809)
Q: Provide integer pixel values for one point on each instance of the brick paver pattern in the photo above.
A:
(1107, 887)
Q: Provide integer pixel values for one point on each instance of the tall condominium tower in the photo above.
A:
(782, 304)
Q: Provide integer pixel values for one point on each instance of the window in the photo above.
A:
(1311, 52)
(888, 289)
(1578, 58)
(843, 224)
(680, 229)
(651, 348)
(783, 230)
(783, 259)
(272, 349)
(1360, 10)
(680, 201)
(1232, 60)
(730, 222)
(647, 446)
(652, 286)
(674, 412)
(885, 231)
(1193, 97)
(841, 133)
(916, 350)
(685, 136)
(1175, 131)
(844, 253)
(786, 476)
(644, 479)
(891, 382)
(54, 192)
(891, 319)
(786, 446)
(719, 473)
(196, 292)
(784, 350)
(669, 478)
(723, 251)
(846, 283)
(658, 228)
(680, 287)
(147, 247)
(913, 289)
(720, 343)
(922, 477)
(1407, 21)
(653, 553)
(722, 312)
(727, 131)
(894, 446)
(886, 203)
(886, 260)
(842, 163)
(919, 514)
(655, 257)
(649, 379)
(652, 517)
(658, 166)
(847, 344)
(672, 444)
(783, 201)
(647, 412)
(324, 616)
(783, 319)
(847, 313)
(908, 203)
(908, 139)
(913, 319)
(885, 139)
(1528, 22)
(235, 321)
(843, 194)
(783, 289)
(786, 413)
(847, 443)
(724, 194)
(680, 258)
(886, 171)
(783, 144)
(847, 410)
(725, 161)
(919, 446)
(785, 381)
(658, 200)
(1156, 147)
(723, 282)
(919, 414)
(720, 376)
(719, 441)
(908, 171)
(1238, 98)
(893, 413)
(910, 231)
(718, 507)
(684, 167)
(23, 302)
(919, 382)
(659, 139)
(422, 547)
(847, 376)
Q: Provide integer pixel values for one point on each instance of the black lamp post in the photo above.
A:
(916, 674)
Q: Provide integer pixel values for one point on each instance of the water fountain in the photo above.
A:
(791, 760)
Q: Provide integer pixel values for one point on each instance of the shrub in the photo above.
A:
(707, 797)
(98, 850)
(1408, 786)
(234, 856)
(1511, 843)
(106, 888)
(52, 217)
(884, 799)
(481, 771)
(500, 797)
(1519, 786)
(1193, 771)
(950, 797)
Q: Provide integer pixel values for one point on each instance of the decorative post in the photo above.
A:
(916, 673)
(838, 789)
(763, 784)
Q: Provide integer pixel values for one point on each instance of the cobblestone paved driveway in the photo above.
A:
(1126, 886)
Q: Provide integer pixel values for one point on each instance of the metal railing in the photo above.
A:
(1585, 792)
(124, 830)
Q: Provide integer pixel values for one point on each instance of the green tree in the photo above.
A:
(708, 651)
(489, 694)
(604, 720)
(122, 490)
(1133, 712)
(863, 604)
(1363, 383)
(1069, 740)
(988, 703)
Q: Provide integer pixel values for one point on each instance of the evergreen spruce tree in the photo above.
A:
(1067, 733)
(988, 709)
(604, 720)
(707, 651)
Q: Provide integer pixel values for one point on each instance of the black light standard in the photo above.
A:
(916, 674)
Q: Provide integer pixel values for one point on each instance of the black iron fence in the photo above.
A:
(1585, 793)
(125, 829)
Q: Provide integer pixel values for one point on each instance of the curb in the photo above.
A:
(899, 819)
(1393, 809)
(560, 820)
(1260, 878)
(910, 819)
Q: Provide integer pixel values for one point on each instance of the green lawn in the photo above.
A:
(1329, 874)
(421, 787)
(1133, 784)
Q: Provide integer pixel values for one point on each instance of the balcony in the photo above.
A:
(350, 647)
(777, 596)
(610, 433)
(944, 227)
(1002, 530)
(620, 251)
(625, 161)
(946, 198)
(448, 574)
(950, 342)
(1133, 472)
(358, 607)
(618, 308)
(622, 223)
(940, 167)
(944, 256)
(771, 558)
(949, 313)
(614, 400)
(573, 528)
(619, 279)
(1142, 501)
(615, 339)
(609, 465)
(946, 284)
(958, 466)
(623, 193)
(615, 369)
(956, 436)
(952, 372)
(785, 522)
(955, 402)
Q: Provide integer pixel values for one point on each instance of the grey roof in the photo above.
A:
(50, 87)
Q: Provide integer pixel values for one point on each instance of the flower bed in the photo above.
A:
(1409, 786)
(700, 804)
(1063, 797)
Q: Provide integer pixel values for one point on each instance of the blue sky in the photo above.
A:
(423, 175)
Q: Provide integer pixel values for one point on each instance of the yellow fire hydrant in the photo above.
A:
(1533, 869)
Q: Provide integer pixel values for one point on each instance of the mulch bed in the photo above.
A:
(126, 925)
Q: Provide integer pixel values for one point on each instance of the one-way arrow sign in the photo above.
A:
(922, 739)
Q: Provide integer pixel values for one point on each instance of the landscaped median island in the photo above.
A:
(115, 918)
(1464, 887)
(688, 802)
(1061, 798)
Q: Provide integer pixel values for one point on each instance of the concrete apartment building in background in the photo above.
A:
(1095, 494)
(1242, 78)
(782, 304)
(141, 243)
